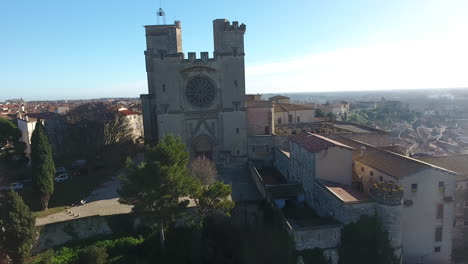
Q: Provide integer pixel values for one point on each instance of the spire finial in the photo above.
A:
(161, 17)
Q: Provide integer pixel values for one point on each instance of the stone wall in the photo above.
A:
(326, 204)
(260, 149)
(58, 233)
(257, 179)
(259, 119)
(282, 164)
(327, 238)
(317, 237)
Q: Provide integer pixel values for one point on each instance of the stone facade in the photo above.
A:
(419, 219)
(324, 167)
(201, 100)
(320, 236)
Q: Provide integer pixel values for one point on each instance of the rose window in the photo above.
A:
(200, 91)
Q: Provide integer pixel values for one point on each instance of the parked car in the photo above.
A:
(60, 170)
(16, 186)
(78, 164)
(62, 177)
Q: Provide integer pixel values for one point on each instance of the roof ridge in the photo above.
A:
(448, 156)
(405, 157)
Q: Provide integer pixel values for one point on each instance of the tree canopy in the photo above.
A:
(366, 241)
(42, 165)
(17, 228)
(163, 184)
(96, 130)
(204, 170)
(9, 138)
(160, 183)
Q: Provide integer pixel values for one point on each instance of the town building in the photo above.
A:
(201, 100)
(457, 163)
(52, 122)
(324, 167)
(277, 115)
(344, 179)
(428, 212)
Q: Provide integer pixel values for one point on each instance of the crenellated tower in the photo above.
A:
(200, 99)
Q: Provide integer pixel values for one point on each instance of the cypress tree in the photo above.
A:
(42, 164)
(17, 228)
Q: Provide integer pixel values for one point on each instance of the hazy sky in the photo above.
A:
(56, 49)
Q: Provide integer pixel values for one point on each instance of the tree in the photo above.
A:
(162, 185)
(212, 200)
(117, 130)
(92, 255)
(17, 228)
(366, 241)
(319, 113)
(9, 138)
(331, 116)
(95, 130)
(204, 170)
(159, 184)
(42, 165)
(85, 126)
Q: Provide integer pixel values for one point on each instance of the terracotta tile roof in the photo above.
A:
(351, 128)
(316, 143)
(45, 115)
(278, 97)
(393, 164)
(394, 148)
(281, 107)
(457, 163)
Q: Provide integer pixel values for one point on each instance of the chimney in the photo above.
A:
(362, 150)
(26, 118)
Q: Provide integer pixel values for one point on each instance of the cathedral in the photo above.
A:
(199, 99)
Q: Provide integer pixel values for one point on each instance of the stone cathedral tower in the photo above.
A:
(199, 99)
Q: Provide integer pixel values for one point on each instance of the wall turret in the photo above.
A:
(228, 38)
(164, 39)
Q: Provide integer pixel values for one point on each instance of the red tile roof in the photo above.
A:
(281, 107)
(316, 143)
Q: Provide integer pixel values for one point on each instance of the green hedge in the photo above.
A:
(120, 250)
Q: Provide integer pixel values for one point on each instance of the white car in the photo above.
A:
(60, 170)
(15, 186)
(62, 178)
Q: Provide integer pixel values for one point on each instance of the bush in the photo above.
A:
(46, 258)
(92, 255)
(65, 255)
(128, 246)
(366, 242)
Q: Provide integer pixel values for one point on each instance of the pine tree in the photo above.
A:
(42, 164)
(158, 184)
(162, 184)
(17, 228)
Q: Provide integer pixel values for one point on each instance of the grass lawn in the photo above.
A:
(49, 211)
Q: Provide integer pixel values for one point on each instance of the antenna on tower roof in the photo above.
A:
(161, 16)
